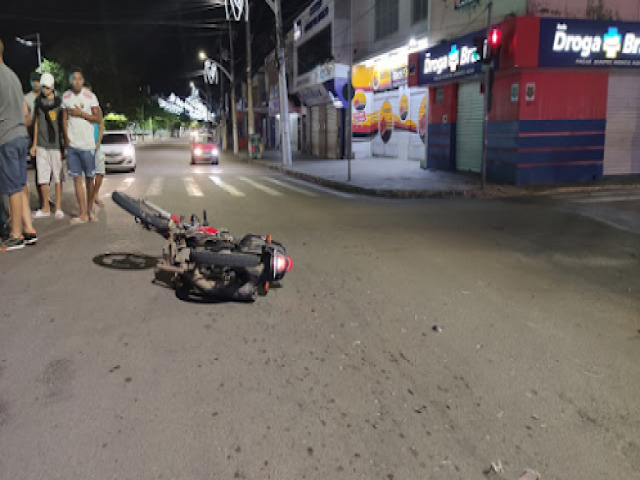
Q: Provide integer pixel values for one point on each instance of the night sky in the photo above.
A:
(157, 41)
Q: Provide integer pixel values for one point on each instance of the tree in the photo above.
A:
(58, 72)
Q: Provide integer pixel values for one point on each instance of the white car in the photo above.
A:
(119, 151)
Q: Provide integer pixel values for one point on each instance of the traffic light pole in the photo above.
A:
(250, 123)
(487, 100)
(349, 118)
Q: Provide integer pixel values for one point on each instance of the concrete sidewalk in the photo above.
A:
(397, 178)
(384, 177)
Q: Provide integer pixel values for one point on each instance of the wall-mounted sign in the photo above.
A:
(449, 60)
(399, 76)
(515, 92)
(569, 43)
(530, 92)
(313, 19)
(315, 95)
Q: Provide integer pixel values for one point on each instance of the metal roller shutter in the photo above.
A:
(469, 128)
(315, 131)
(622, 139)
(332, 132)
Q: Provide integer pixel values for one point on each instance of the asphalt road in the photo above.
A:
(340, 374)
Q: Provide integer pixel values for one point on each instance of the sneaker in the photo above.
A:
(30, 238)
(59, 214)
(5, 232)
(11, 243)
(40, 214)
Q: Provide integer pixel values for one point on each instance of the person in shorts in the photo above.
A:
(46, 145)
(80, 110)
(14, 146)
(30, 99)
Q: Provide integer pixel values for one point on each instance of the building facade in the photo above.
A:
(565, 97)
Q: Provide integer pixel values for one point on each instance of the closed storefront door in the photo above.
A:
(333, 133)
(622, 140)
(315, 125)
(469, 128)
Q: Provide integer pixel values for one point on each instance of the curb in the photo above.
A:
(372, 192)
(492, 192)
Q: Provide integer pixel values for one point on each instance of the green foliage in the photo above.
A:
(58, 71)
(115, 121)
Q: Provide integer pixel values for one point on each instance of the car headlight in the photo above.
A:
(197, 151)
(128, 151)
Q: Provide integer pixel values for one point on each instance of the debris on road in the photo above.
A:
(436, 328)
(494, 467)
(529, 474)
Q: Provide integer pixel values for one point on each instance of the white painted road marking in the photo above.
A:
(320, 188)
(227, 188)
(290, 187)
(607, 199)
(155, 188)
(192, 187)
(261, 187)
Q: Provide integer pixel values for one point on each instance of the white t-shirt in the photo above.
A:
(80, 131)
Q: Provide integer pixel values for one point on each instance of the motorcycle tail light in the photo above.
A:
(281, 265)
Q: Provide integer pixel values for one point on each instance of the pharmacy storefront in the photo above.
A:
(565, 104)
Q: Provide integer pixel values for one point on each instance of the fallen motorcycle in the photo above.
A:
(199, 260)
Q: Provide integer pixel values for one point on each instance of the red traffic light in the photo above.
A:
(494, 38)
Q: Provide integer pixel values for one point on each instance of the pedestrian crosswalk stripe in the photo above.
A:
(261, 187)
(290, 187)
(126, 183)
(192, 187)
(234, 192)
(320, 188)
(155, 188)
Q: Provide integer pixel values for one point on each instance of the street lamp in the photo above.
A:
(30, 43)
(202, 55)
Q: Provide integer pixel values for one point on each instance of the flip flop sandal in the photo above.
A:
(77, 221)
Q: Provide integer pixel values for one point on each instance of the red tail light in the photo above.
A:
(281, 265)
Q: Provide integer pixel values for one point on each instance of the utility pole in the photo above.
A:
(223, 110)
(234, 118)
(251, 120)
(284, 96)
(348, 120)
(39, 51)
(487, 98)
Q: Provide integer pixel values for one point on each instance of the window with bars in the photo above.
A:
(420, 10)
(386, 18)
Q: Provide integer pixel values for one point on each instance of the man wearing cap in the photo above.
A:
(80, 110)
(46, 145)
(14, 143)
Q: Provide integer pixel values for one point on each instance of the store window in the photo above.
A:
(386, 18)
(420, 10)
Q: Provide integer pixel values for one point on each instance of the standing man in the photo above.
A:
(31, 97)
(98, 133)
(80, 110)
(30, 100)
(14, 143)
(46, 145)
